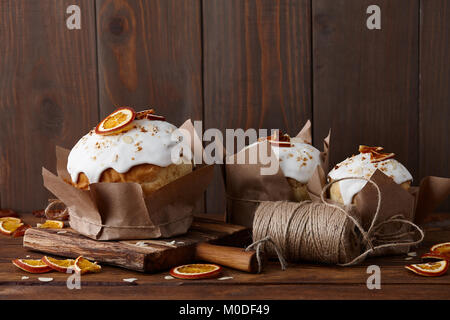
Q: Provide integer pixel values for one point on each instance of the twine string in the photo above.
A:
(259, 244)
(319, 231)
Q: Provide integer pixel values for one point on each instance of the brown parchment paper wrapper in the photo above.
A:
(246, 186)
(120, 211)
(413, 204)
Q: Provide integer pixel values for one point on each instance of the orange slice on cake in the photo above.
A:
(196, 271)
(31, 265)
(118, 121)
(149, 115)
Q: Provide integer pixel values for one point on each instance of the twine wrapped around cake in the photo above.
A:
(326, 232)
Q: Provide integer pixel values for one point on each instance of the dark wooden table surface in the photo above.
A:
(299, 281)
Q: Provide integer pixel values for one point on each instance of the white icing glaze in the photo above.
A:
(299, 161)
(360, 166)
(149, 142)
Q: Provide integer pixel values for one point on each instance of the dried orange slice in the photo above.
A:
(58, 265)
(31, 265)
(11, 219)
(196, 271)
(442, 248)
(431, 269)
(83, 265)
(435, 256)
(20, 231)
(51, 224)
(9, 225)
(118, 121)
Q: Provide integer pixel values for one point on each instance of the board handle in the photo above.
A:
(232, 257)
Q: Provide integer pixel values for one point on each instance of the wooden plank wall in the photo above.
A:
(366, 81)
(48, 92)
(257, 70)
(434, 99)
(232, 63)
(150, 53)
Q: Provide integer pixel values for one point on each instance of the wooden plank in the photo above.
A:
(150, 55)
(48, 92)
(307, 281)
(155, 256)
(435, 89)
(366, 81)
(195, 291)
(256, 69)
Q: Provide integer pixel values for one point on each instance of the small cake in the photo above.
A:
(364, 165)
(129, 147)
(298, 161)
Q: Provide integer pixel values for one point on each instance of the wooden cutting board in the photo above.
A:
(139, 255)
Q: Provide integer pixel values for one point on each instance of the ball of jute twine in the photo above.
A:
(323, 232)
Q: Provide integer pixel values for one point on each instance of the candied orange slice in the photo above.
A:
(51, 224)
(375, 153)
(149, 115)
(144, 113)
(31, 265)
(431, 269)
(378, 157)
(118, 121)
(58, 265)
(367, 149)
(83, 265)
(9, 225)
(196, 271)
(283, 140)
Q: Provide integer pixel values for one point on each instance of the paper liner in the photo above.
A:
(246, 186)
(120, 211)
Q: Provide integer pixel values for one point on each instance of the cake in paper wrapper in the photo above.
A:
(412, 204)
(122, 210)
(246, 186)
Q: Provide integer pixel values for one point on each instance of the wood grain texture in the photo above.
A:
(435, 90)
(232, 257)
(298, 281)
(156, 255)
(48, 92)
(366, 81)
(150, 54)
(256, 68)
